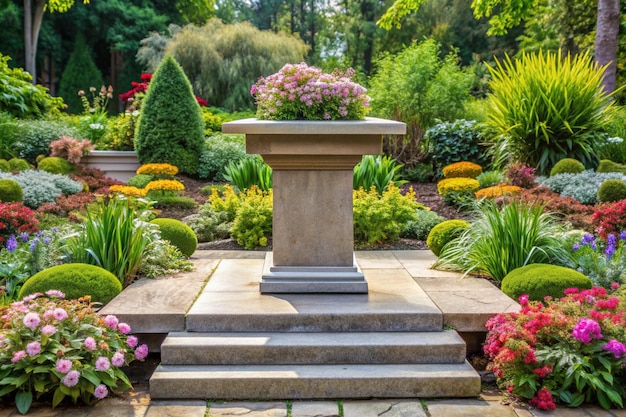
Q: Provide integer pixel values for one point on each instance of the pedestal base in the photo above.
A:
(312, 279)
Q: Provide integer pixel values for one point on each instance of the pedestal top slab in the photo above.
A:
(369, 126)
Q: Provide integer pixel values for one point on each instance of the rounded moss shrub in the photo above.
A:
(171, 128)
(541, 280)
(75, 280)
(462, 170)
(612, 190)
(178, 234)
(55, 165)
(567, 166)
(457, 185)
(10, 191)
(443, 233)
(18, 164)
(610, 166)
(4, 166)
(140, 180)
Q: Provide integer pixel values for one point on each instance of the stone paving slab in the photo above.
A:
(468, 408)
(378, 408)
(247, 409)
(177, 409)
(315, 409)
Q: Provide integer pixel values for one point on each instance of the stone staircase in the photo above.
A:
(240, 344)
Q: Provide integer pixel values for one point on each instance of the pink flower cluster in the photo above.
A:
(300, 92)
(586, 330)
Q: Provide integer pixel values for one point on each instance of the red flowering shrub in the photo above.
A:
(566, 208)
(16, 218)
(610, 218)
(569, 350)
(133, 96)
(70, 148)
(94, 178)
(65, 204)
(521, 175)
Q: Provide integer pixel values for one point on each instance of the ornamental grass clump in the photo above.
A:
(569, 350)
(300, 92)
(61, 348)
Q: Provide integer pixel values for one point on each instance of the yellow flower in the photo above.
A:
(462, 170)
(162, 185)
(497, 191)
(128, 190)
(458, 185)
(157, 169)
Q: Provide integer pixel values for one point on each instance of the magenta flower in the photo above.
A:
(64, 365)
(102, 363)
(132, 341)
(90, 343)
(111, 321)
(71, 378)
(123, 328)
(587, 330)
(17, 356)
(100, 392)
(616, 348)
(32, 320)
(141, 352)
(118, 359)
(59, 314)
(48, 329)
(33, 348)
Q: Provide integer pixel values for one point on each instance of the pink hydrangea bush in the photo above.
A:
(49, 345)
(300, 92)
(570, 350)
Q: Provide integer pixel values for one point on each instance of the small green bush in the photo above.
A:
(249, 172)
(460, 140)
(209, 224)
(4, 166)
(541, 280)
(443, 233)
(10, 191)
(75, 280)
(178, 234)
(421, 227)
(567, 166)
(377, 171)
(140, 181)
(612, 190)
(55, 165)
(610, 166)
(253, 221)
(490, 178)
(220, 150)
(174, 201)
(18, 164)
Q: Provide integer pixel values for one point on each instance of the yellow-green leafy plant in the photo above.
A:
(253, 221)
(547, 107)
(463, 169)
(382, 217)
(443, 233)
(178, 234)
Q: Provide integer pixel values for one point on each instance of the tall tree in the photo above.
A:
(33, 16)
(607, 33)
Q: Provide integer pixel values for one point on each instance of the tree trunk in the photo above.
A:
(607, 31)
(33, 16)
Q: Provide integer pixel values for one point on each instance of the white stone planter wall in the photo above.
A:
(120, 165)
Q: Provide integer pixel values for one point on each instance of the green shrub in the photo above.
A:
(377, 171)
(178, 234)
(443, 233)
(583, 187)
(490, 178)
(422, 225)
(249, 172)
(501, 239)
(463, 169)
(567, 166)
(175, 201)
(220, 150)
(170, 127)
(541, 280)
(614, 148)
(75, 280)
(612, 190)
(455, 141)
(253, 222)
(43, 187)
(607, 165)
(10, 191)
(4, 166)
(382, 217)
(209, 224)
(140, 181)
(55, 165)
(18, 164)
(33, 137)
(422, 172)
(547, 108)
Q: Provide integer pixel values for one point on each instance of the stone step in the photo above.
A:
(183, 348)
(265, 382)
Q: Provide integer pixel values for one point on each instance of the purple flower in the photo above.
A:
(587, 330)
(17, 356)
(118, 359)
(100, 392)
(132, 341)
(11, 244)
(616, 348)
(48, 329)
(71, 378)
(64, 365)
(141, 352)
(90, 343)
(32, 320)
(609, 251)
(622, 235)
(575, 247)
(123, 328)
(24, 237)
(102, 363)
(587, 239)
(33, 348)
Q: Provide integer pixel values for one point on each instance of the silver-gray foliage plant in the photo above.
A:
(583, 186)
(43, 187)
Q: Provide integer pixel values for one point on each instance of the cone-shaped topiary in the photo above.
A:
(75, 280)
(171, 128)
(80, 73)
(10, 191)
(178, 234)
(541, 280)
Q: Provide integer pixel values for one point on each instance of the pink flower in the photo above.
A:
(55, 293)
(141, 352)
(616, 348)
(64, 365)
(71, 378)
(132, 341)
(523, 300)
(59, 314)
(90, 343)
(100, 392)
(123, 328)
(586, 330)
(33, 348)
(118, 359)
(102, 363)
(614, 285)
(48, 329)
(111, 321)
(32, 320)
(17, 356)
